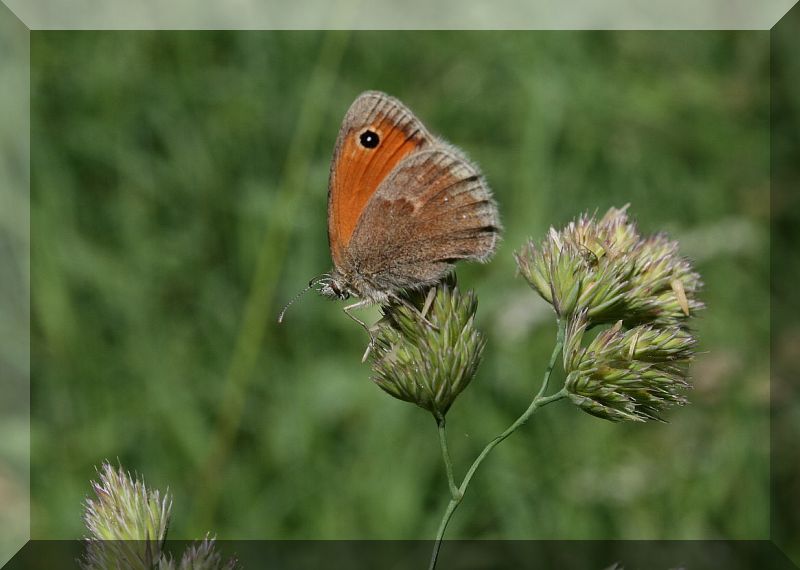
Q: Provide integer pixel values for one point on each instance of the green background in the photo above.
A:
(178, 200)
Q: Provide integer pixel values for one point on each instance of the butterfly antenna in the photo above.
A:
(311, 285)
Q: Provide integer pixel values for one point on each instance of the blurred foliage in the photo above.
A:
(178, 199)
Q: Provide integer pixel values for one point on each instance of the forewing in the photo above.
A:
(357, 171)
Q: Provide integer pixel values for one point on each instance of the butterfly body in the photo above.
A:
(403, 205)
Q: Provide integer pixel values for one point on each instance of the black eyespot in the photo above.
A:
(369, 139)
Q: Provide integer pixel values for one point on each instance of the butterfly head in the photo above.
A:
(331, 286)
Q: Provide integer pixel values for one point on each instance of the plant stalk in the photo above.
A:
(457, 494)
(448, 463)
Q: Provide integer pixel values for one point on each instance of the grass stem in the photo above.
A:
(457, 494)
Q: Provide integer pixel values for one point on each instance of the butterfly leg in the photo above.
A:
(359, 305)
(368, 349)
(428, 301)
(425, 308)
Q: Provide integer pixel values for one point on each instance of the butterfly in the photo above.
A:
(403, 207)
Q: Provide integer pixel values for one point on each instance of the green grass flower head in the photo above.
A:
(663, 285)
(127, 522)
(630, 374)
(607, 269)
(428, 355)
(203, 556)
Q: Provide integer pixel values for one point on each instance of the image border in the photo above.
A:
(18, 18)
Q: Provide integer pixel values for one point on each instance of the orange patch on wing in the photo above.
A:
(358, 172)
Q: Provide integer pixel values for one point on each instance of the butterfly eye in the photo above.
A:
(369, 139)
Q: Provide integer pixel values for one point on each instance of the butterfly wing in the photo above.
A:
(434, 209)
(357, 169)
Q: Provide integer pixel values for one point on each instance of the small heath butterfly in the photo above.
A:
(403, 207)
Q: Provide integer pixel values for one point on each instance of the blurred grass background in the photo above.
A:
(178, 200)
